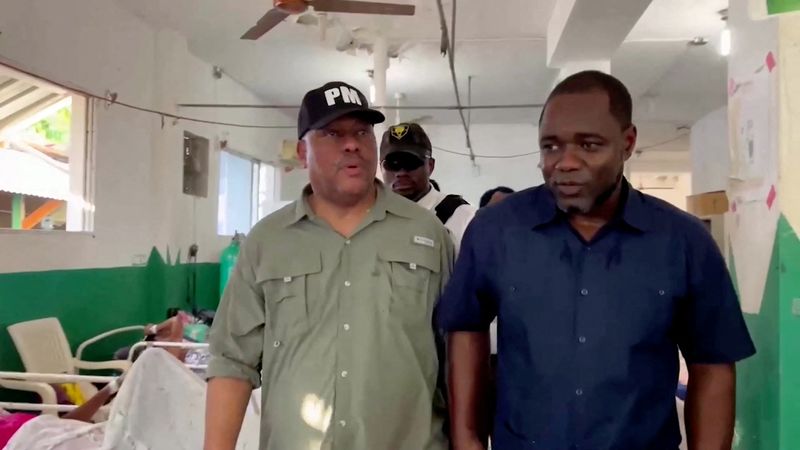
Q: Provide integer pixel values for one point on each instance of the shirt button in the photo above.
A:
(342, 423)
(584, 292)
(513, 289)
(276, 344)
(346, 327)
(347, 284)
(347, 242)
(661, 292)
(579, 392)
(344, 374)
(582, 339)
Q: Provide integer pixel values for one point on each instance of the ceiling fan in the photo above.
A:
(284, 8)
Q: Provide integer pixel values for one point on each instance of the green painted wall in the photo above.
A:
(89, 302)
(782, 6)
(768, 388)
(789, 335)
(757, 390)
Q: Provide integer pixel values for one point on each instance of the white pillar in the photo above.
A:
(573, 67)
(380, 61)
(380, 64)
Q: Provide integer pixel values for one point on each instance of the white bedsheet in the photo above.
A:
(48, 432)
(161, 406)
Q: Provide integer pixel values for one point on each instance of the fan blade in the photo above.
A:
(265, 23)
(357, 7)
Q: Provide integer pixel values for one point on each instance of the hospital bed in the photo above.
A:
(44, 349)
(161, 405)
(41, 383)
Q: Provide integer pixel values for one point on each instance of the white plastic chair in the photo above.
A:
(43, 348)
(38, 384)
(43, 390)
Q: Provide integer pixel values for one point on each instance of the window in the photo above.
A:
(195, 165)
(246, 192)
(45, 162)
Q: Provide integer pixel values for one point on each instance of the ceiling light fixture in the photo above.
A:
(698, 41)
(725, 42)
(371, 75)
(725, 36)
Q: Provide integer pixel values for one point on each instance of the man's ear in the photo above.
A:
(302, 152)
(629, 136)
(431, 165)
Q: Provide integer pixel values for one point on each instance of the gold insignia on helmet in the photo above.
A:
(398, 131)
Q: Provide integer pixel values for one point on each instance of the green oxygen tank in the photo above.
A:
(227, 261)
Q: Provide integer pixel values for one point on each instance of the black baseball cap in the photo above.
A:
(325, 104)
(406, 138)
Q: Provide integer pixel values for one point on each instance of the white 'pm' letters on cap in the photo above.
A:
(347, 95)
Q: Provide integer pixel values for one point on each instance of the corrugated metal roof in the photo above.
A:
(21, 97)
(29, 174)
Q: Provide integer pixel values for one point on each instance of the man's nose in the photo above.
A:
(350, 143)
(570, 160)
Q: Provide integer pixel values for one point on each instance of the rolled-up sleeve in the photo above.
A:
(713, 330)
(466, 304)
(237, 335)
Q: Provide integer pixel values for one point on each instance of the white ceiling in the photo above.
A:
(503, 48)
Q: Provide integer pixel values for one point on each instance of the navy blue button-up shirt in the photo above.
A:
(588, 332)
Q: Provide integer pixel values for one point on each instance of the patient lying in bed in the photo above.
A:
(161, 405)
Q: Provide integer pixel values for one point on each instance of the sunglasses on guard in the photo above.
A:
(402, 161)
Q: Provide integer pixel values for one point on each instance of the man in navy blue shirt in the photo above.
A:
(595, 287)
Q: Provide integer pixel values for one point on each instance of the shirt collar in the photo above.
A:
(633, 213)
(431, 199)
(385, 202)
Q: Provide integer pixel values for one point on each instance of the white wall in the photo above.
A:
(711, 159)
(672, 187)
(455, 174)
(292, 184)
(96, 46)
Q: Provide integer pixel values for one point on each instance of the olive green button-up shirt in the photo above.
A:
(339, 328)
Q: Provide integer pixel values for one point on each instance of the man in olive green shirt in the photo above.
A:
(330, 306)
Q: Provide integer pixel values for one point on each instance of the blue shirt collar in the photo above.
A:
(634, 212)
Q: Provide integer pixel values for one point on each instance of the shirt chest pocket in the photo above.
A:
(411, 270)
(648, 305)
(285, 285)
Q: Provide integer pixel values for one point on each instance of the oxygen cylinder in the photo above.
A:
(227, 261)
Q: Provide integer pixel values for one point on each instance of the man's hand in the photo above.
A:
(226, 403)
(468, 359)
(710, 406)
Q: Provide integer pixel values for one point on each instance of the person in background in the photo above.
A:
(407, 164)
(330, 306)
(495, 195)
(596, 286)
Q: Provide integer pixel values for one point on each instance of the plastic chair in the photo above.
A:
(43, 390)
(43, 348)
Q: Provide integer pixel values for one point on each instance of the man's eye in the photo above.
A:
(548, 148)
(591, 145)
